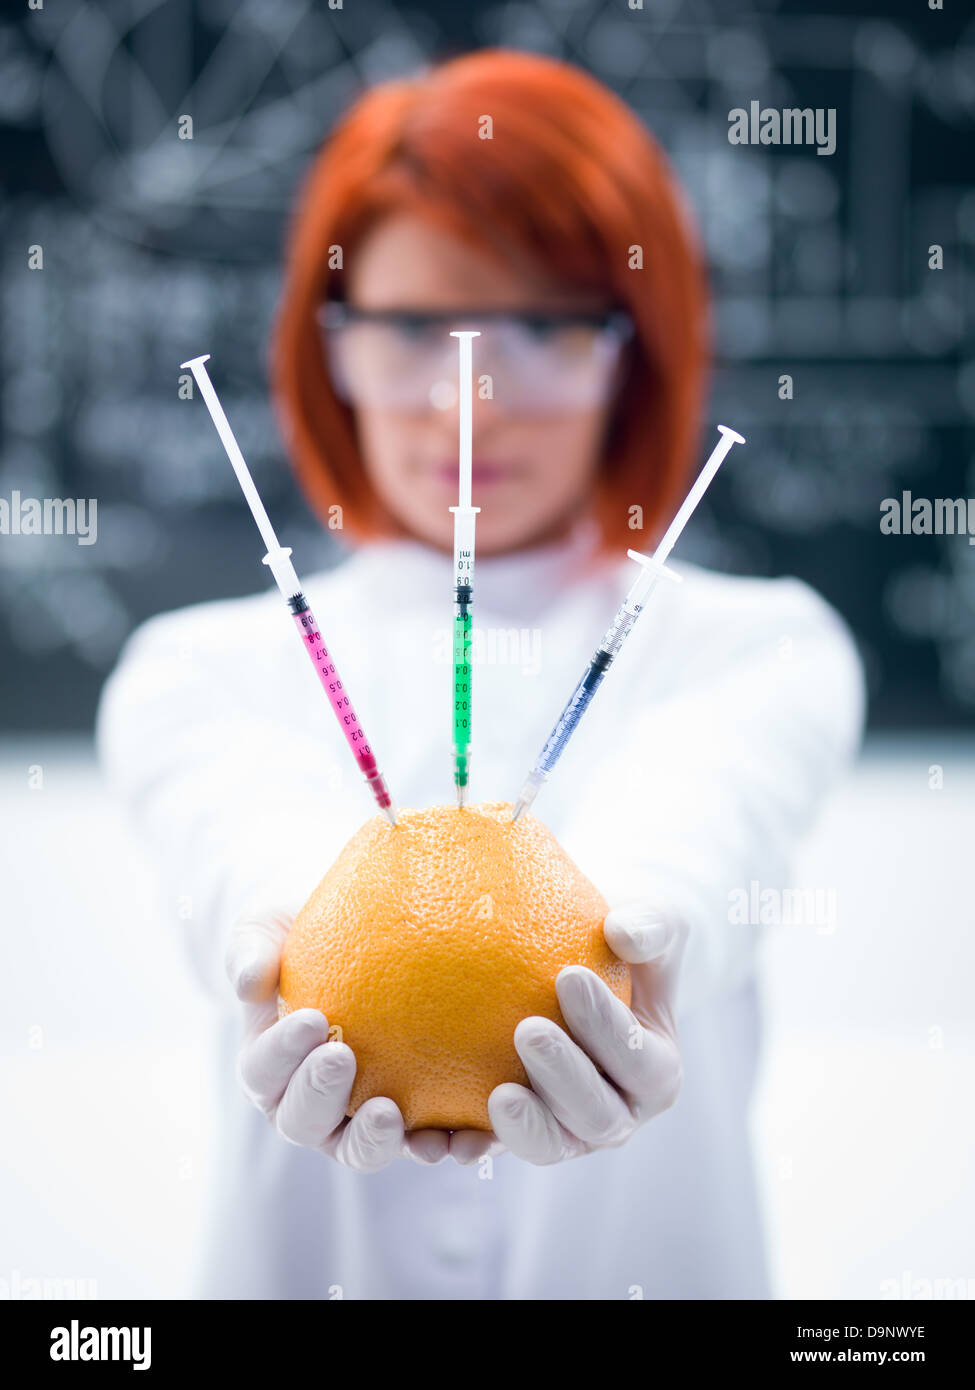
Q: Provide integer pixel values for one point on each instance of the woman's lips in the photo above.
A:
(483, 473)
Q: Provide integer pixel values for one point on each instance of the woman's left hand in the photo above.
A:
(572, 1108)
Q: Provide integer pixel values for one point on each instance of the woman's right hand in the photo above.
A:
(300, 1080)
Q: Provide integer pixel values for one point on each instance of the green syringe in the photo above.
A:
(464, 523)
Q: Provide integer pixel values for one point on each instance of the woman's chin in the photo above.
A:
(494, 535)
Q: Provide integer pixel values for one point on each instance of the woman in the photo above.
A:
(515, 195)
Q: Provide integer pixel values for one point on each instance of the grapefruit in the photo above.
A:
(426, 943)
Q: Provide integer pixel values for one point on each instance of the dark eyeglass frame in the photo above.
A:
(337, 314)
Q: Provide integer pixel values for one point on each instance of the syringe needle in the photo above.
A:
(464, 524)
(278, 561)
(653, 568)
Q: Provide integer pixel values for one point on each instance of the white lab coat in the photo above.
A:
(729, 712)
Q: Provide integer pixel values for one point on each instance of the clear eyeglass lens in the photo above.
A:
(526, 365)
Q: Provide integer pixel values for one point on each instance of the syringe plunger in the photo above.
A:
(279, 563)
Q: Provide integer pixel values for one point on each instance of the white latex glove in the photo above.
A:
(302, 1082)
(571, 1109)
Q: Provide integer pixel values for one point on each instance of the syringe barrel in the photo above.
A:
(462, 678)
(619, 629)
(308, 630)
(613, 639)
(465, 519)
(576, 707)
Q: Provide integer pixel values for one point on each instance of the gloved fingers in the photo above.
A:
(665, 1077)
(371, 1139)
(645, 1065)
(652, 941)
(526, 1126)
(253, 956)
(317, 1096)
(258, 1018)
(266, 1065)
(567, 1081)
(426, 1145)
(468, 1145)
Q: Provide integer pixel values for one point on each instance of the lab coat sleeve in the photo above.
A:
(710, 787)
(234, 811)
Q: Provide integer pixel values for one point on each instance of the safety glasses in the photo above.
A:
(526, 363)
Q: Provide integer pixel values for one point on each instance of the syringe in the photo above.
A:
(653, 568)
(278, 560)
(464, 523)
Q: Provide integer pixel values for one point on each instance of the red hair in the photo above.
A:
(571, 178)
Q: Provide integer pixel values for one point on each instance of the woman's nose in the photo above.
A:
(488, 405)
(485, 416)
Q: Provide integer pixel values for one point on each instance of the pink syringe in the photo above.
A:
(278, 561)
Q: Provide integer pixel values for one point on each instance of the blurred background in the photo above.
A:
(157, 249)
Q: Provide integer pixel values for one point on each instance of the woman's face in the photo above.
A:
(534, 466)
